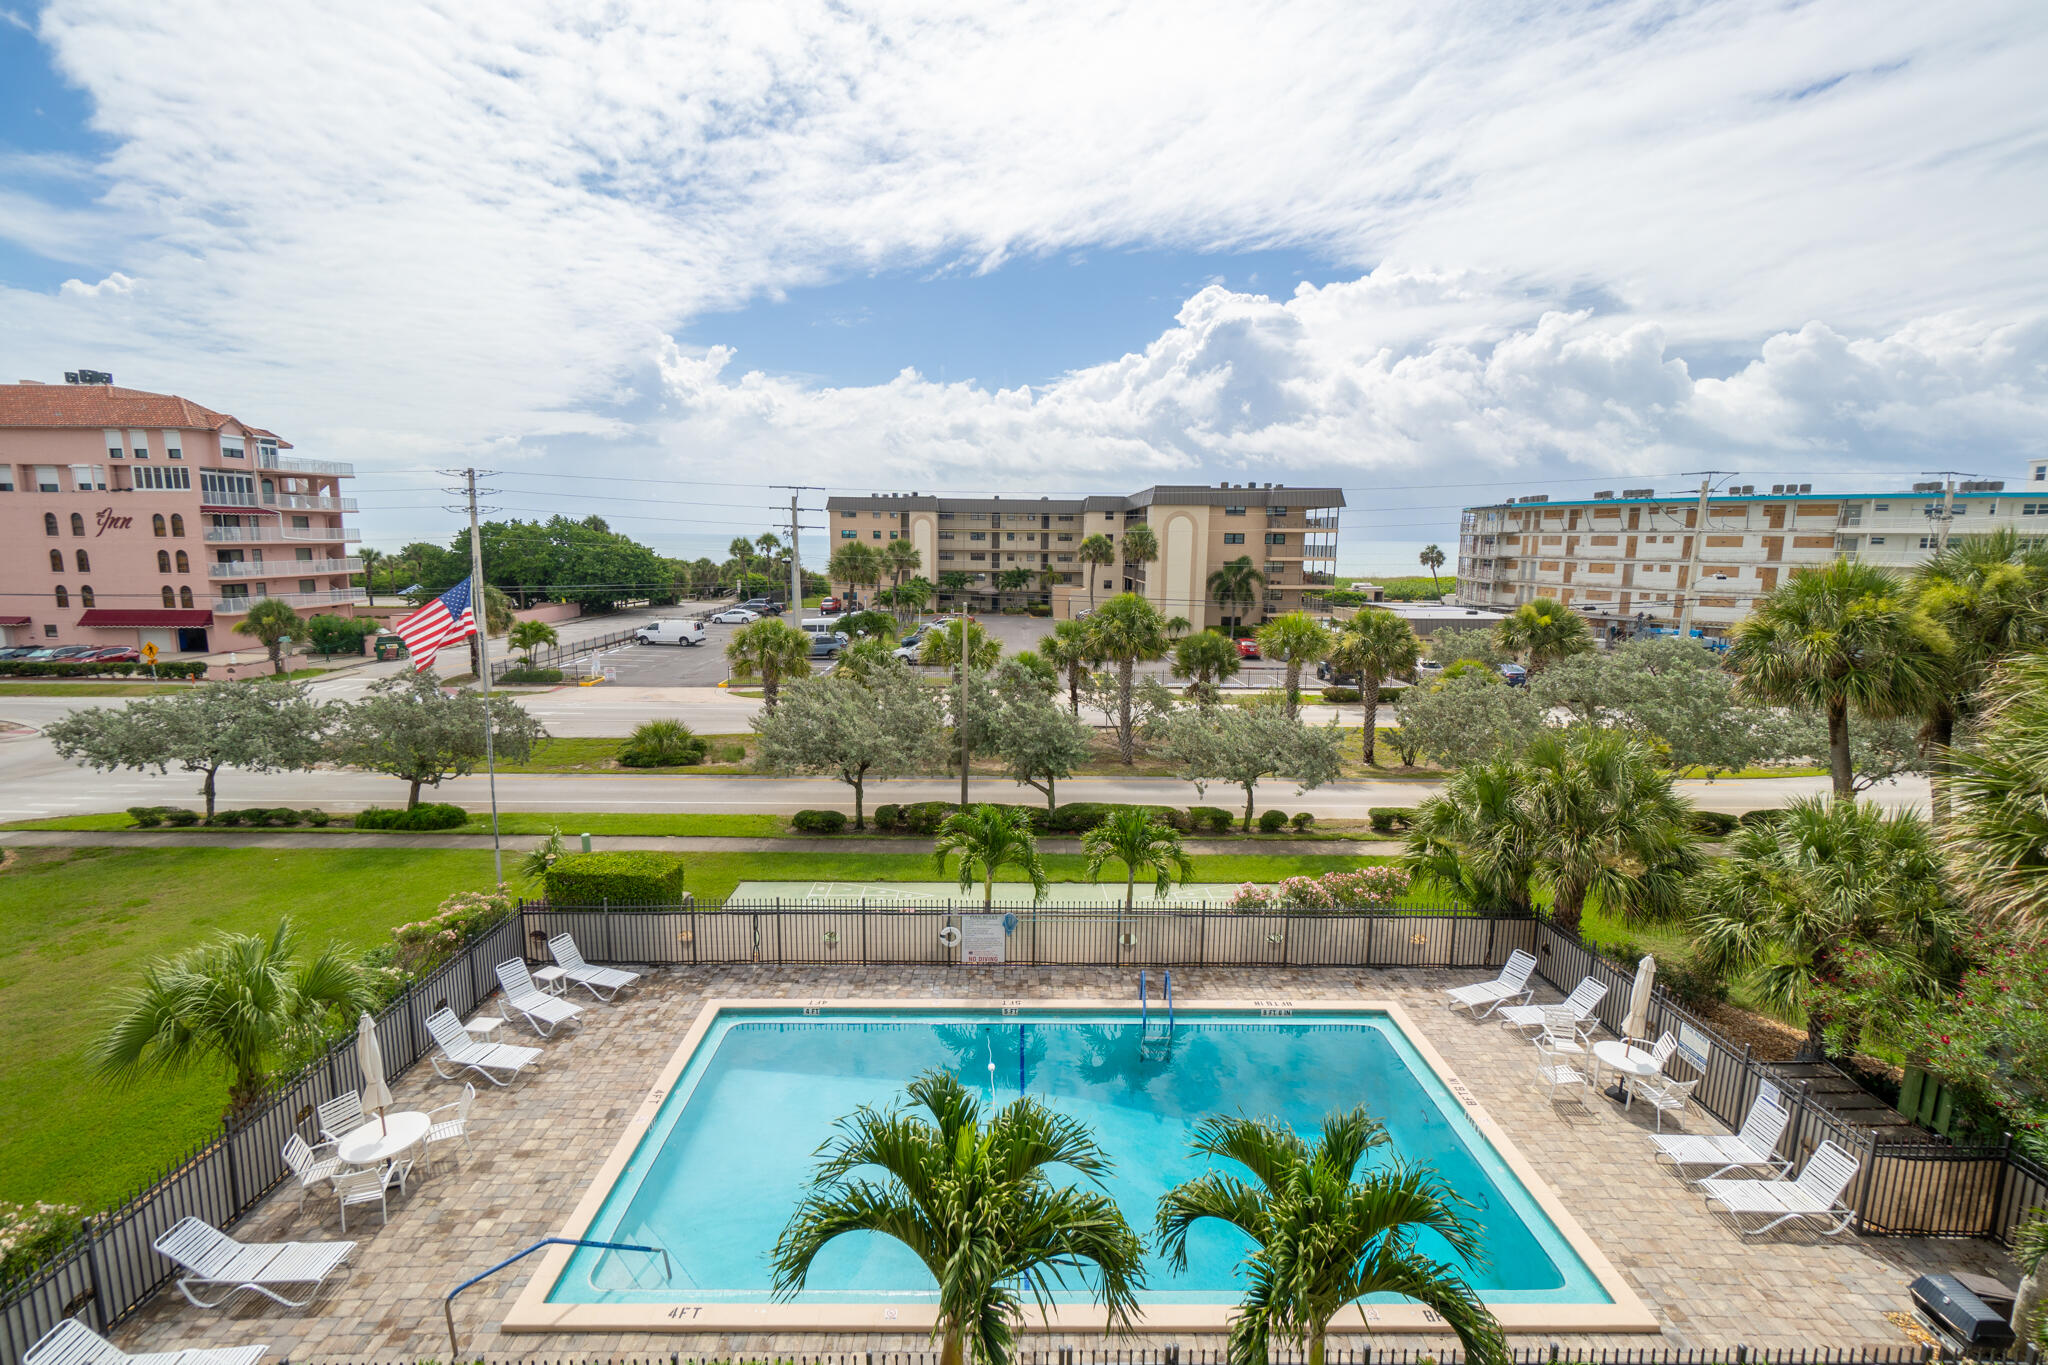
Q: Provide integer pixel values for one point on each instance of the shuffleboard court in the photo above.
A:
(942, 895)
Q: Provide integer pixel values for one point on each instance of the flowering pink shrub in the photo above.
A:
(425, 944)
(1368, 888)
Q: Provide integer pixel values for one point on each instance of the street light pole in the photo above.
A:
(483, 655)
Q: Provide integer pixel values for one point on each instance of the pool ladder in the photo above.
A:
(1155, 1046)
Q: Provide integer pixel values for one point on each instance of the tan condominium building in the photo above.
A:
(1641, 558)
(1028, 550)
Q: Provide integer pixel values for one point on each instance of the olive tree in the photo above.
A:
(210, 727)
(1244, 744)
(409, 728)
(1038, 741)
(1467, 719)
(878, 724)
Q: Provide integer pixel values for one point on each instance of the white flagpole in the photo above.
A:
(483, 655)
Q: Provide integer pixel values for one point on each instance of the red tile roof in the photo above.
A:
(158, 617)
(102, 405)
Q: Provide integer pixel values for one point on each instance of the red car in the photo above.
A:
(114, 654)
(1247, 649)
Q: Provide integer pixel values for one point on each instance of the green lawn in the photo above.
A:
(80, 922)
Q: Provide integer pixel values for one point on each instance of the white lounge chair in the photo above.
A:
(341, 1115)
(1755, 1145)
(372, 1185)
(449, 1122)
(308, 1166)
(544, 1013)
(1817, 1193)
(463, 1051)
(1584, 999)
(212, 1260)
(1511, 984)
(602, 982)
(1666, 1095)
(71, 1342)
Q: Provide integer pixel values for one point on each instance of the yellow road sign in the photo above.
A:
(149, 654)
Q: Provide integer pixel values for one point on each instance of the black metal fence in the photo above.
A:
(111, 1269)
(554, 656)
(1550, 1353)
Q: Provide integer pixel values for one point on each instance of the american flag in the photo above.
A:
(445, 619)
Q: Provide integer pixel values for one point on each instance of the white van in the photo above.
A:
(671, 633)
(821, 625)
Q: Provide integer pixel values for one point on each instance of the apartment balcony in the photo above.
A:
(218, 500)
(334, 597)
(311, 502)
(228, 534)
(295, 464)
(280, 568)
(1320, 523)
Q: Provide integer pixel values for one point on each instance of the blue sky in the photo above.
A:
(651, 267)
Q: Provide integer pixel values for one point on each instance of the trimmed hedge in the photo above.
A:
(1210, 819)
(1386, 819)
(819, 821)
(531, 675)
(889, 816)
(431, 815)
(593, 878)
(1343, 694)
(1750, 819)
(57, 668)
(1303, 820)
(1711, 823)
(1272, 821)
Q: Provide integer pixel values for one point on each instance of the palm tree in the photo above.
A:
(769, 650)
(1095, 551)
(1833, 877)
(902, 560)
(1141, 545)
(1997, 785)
(742, 550)
(241, 1002)
(1326, 1231)
(1608, 823)
(1433, 559)
(1376, 645)
(1543, 631)
(914, 595)
(1127, 630)
(1206, 658)
(1070, 649)
(975, 1204)
(855, 562)
(1013, 580)
(531, 635)
(1838, 639)
(1299, 640)
(1132, 837)
(1477, 839)
(1236, 584)
(1990, 593)
(271, 621)
(988, 839)
(372, 561)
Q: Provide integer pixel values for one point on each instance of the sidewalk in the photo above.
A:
(300, 838)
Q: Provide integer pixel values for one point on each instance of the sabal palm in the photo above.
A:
(1432, 559)
(901, 559)
(1376, 645)
(1071, 649)
(772, 651)
(1299, 640)
(1838, 639)
(1990, 593)
(271, 621)
(1141, 545)
(1543, 631)
(373, 560)
(1326, 1231)
(1831, 877)
(1127, 631)
(742, 549)
(1095, 551)
(975, 1204)
(1206, 659)
(1477, 838)
(1132, 837)
(1235, 583)
(241, 1001)
(1997, 786)
(1607, 821)
(988, 839)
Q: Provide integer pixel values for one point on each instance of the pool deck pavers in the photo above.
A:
(536, 1145)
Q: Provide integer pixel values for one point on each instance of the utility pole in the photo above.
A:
(1944, 518)
(483, 655)
(1699, 540)
(796, 571)
(965, 660)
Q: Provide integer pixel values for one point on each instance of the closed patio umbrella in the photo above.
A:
(1639, 998)
(370, 1057)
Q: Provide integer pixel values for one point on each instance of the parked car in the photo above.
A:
(827, 646)
(1323, 673)
(1248, 649)
(1516, 675)
(112, 654)
(18, 651)
(909, 647)
(830, 607)
(60, 653)
(670, 633)
(736, 616)
(1425, 669)
(763, 606)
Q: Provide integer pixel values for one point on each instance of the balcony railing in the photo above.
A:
(311, 502)
(313, 533)
(336, 597)
(1321, 523)
(214, 497)
(282, 568)
(296, 464)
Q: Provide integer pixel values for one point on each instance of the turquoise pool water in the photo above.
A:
(728, 1155)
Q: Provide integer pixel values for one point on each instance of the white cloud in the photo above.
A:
(116, 283)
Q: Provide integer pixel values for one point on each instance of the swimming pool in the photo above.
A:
(722, 1149)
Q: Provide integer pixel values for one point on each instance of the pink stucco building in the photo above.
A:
(129, 518)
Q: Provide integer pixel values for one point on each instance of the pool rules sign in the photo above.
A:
(981, 940)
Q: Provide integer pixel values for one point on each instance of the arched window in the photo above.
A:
(170, 599)
(85, 597)
(77, 524)
(156, 524)
(84, 562)
(163, 561)
(63, 597)
(49, 523)
(56, 561)
(184, 564)
(184, 597)
(177, 525)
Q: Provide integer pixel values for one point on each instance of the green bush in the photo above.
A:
(1386, 819)
(316, 818)
(1303, 820)
(1342, 694)
(924, 817)
(146, 817)
(30, 1236)
(1272, 821)
(338, 634)
(178, 815)
(225, 817)
(431, 815)
(1038, 609)
(1692, 982)
(889, 816)
(662, 744)
(819, 821)
(1750, 819)
(594, 878)
(1078, 817)
(1210, 819)
(531, 675)
(1712, 824)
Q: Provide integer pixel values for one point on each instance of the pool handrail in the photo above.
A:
(448, 1303)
